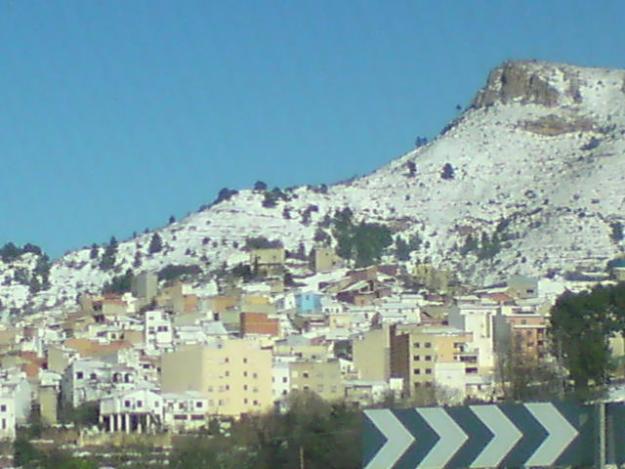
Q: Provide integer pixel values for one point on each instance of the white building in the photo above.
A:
(159, 335)
(88, 380)
(451, 377)
(477, 318)
(280, 380)
(185, 411)
(135, 411)
(15, 384)
(7, 417)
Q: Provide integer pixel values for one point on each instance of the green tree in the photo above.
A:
(402, 250)
(107, 261)
(448, 172)
(365, 242)
(119, 284)
(94, 252)
(470, 244)
(260, 186)
(9, 252)
(581, 325)
(617, 232)
(156, 244)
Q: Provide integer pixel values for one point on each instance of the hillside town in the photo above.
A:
(173, 356)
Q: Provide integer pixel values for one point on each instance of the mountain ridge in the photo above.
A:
(536, 163)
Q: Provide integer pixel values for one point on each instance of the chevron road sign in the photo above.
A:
(479, 436)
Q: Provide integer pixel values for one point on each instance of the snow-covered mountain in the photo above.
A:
(537, 163)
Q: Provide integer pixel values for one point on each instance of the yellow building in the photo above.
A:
(372, 354)
(320, 377)
(416, 350)
(324, 259)
(268, 262)
(234, 375)
(302, 351)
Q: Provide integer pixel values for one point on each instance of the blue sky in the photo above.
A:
(117, 114)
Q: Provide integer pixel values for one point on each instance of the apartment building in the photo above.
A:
(417, 350)
(320, 376)
(234, 375)
(372, 354)
(477, 318)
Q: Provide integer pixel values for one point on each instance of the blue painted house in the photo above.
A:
(308, 303)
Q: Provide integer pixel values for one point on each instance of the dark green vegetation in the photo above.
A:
(26, 455)
(363, 242)
(10, 252)
(260, 242)
(581, 326)
(403, 248)
(107, 262)
(312, 434)
(119, 284)
(173, 272)
(39, 279)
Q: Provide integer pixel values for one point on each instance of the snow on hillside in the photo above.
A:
(541, 153)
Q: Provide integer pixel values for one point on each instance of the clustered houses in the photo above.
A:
(172, 357)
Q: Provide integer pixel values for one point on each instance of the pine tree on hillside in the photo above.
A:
(94, 252)
(108, 258)
(156, 244)
(448, 172)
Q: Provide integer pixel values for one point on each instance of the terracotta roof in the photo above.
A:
(90, 348)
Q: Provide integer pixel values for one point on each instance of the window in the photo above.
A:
(199, 404)
(79, 375)
(284, 379)
(227, 387)
(245, 401)
(245, 360)
(255, 402)
(209, 389)
(416, 358)
(3, 408)
(254, 375)
(139, 403)
(428, 345)
(428, 371)
(126, 403)
(245, 387)
(305, 374)
(428, 358)
(245, 374)
(93, 376)
(417, 345)
(227, 373)
(226, 360)
(417, 371)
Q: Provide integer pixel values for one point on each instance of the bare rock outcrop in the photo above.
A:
(517, 81)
